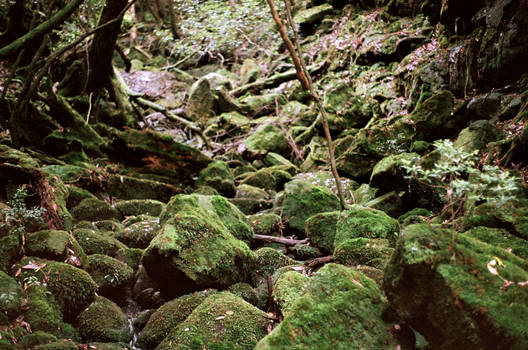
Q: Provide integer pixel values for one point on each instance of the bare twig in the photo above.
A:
(320, 261)
(282, 240)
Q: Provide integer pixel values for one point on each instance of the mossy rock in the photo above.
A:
(251, 192)
(512, 216)
(268, 138)
(362, 222)
(265, 223)
(36, 338)
(257, 105)
(303, 200)
(9, 251)
(500, 238)
(363, 251)
(61, 344)
(55, 245)
(110, 346)
(103, 225)
(76, 195)
(303, 252)
(312, 15)
(288, 288)
(334, 312)
(130, 187)
(414, 216)
(131, 257)
(390, 203)
(451, 288)
(262, 178)
(222, 321)
(134, 207)
(216, 208)
(269, 260)
(98, 242)
(44, 315)
(193, 252)
(388, 174)
(478, 135)
(139, 234)
(103, 321)
(111, 275)
(245, 291)
(93, 210)
(11, 296)
(431, 117)
(250, 206)
(218, 175)
(168, 316)
(72, 288)
(346, 110)
(321, 228)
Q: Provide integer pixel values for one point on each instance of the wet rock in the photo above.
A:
(262, 178)
(335, 309)
(451, 288)
(169, 316)
(104, 321)
(55, 245)
(302, 200)
(431, 118)
(223, 321)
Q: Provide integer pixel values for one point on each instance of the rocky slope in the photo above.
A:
(158, 236)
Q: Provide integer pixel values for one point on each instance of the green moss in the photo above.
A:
(222, 321)
(63, 344)
(500, 238)
(252, 192)
(262, 178)
(265, 223)
(194, 252)
(304, 251)
(135, 207)
(312, 15)
(414, 216)
(11, 295)
(36, 338)
(76, 195)
(268, 138)
(288, 288)
(358, 221)
(111, 275)
(168, 316)
(339, 309)
(451, 276)
(431, 116)
(363, 251)
(103, 321)
(139, 234)
(269, 260)
(10, 336)
(55, 245)
(320, 228)
(98, 242)
(43, 313)
(245, 291)
(131, 257)
(93, 210)
(218, 175)
(302, 200)
(215, 208)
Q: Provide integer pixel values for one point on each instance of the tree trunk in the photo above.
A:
(101, 52)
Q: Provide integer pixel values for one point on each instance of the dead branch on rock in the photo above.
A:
(320, 261)
(282, 240)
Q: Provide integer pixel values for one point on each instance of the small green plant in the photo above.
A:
(18, 218)
(459, 179)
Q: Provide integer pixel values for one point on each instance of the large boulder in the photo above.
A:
(218, 176)
(222, 321)
(194, 251)
(335, 311)
(457, 291)
(55, 245)
(111, 275)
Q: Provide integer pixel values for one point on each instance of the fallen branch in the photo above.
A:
(174, 118)
(285, 241)
(320, 261)
(273, 81)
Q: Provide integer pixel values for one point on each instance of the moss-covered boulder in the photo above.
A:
(500, 238)
(391, 203)
(11, 296)
(94, 241)
(111, 275)
(103, 321)
(76, 195)
(140, 233)
(268, 138)
(134, 207)
(321, 228)
(168, 316)
(216, 208)
(458, 292)
(72, 288)
(388, 174)
(245, 291)
(9, 251)
(339, 309)
(269, 261)
(345, 109)
(358, 222)
(222, 321)
(433, 118)
(288, 288)
(31, 340)
(193, 251)
(257, 105)
(478, 135)
(262, 178)
(43, 313)
(61, 344)
(363, 251)
(55, 245)
(512, 216)
(302, 200)
(94, 210)
(265, 223)
(312, 15)
(218, 175)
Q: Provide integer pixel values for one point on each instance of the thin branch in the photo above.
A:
(282, 240)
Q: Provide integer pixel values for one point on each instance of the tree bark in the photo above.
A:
(55, 20)
(102, 49)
